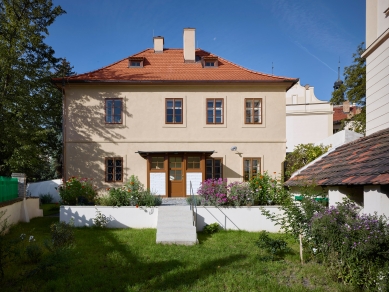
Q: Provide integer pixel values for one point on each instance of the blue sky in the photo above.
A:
(303, 38)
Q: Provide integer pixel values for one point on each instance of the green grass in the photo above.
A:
(50, 209)
(130, 260)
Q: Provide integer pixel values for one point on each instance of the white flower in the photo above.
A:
(22, 236)
(31, 238)
(314, 250)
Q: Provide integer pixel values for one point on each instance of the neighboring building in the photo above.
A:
(377, 65)
(343, 113)
(358, 170)
(171, 117)
(308, 119)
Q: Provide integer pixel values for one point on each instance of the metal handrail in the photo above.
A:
(193, 205)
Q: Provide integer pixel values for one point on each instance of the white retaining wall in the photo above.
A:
(239, 218)
(22, 211)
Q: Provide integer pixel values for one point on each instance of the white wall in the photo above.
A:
(240, 218)
(120, 217)
(22, 211)
(308, 119)
(340, 138)
(375, 200)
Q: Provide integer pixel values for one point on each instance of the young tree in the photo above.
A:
(354, 90)
(30, 107)
(301, 156)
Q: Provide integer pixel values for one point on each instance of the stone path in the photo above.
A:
(174, 201)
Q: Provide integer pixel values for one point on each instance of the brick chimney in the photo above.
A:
(189, 45)
(158, 44)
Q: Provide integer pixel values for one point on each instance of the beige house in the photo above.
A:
(308, 119)
(173, 117)
(377, 65)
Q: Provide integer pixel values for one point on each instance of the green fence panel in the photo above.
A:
(8, 188)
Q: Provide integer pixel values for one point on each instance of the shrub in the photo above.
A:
(276, 247)
(267, 190)
(62, 235)
(240, 194)
(211, 228)
(46, 198)
(213, 192)
(297, 216)
(131, 194)
(197, 200)
(78, 191)
(100, 221)
(355, 245)
(34, 252)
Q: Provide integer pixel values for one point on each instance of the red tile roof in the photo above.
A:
(339, 115)
(169, 66)
(361, 162)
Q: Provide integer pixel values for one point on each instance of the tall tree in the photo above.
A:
(354, 90)
(30, 107)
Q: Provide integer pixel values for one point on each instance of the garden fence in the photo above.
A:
(8, 188)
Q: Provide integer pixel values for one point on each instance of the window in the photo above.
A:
(113, 111)
(113, 169)
(193, 162)
(251, 168)
(209, 64)
(174, 111)
(215, 111)
(213, 168)
(253, 111)
(135, 63)
(157, 162)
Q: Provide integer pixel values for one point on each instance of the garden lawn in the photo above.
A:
(130, 260)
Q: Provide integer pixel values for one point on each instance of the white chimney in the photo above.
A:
(189, 45)
(158, 44)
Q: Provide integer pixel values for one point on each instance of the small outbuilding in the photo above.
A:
(358, 170)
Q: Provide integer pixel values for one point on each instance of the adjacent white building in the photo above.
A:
(308, 119)
(377, 65)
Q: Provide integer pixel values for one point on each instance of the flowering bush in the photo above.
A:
(267, 190)
(77, 191)
(131, 194)
(216, 192)
(213, 192)
(355, 245)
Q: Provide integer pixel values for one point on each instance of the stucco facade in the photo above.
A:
(377, 65)
(88, 139)
(308, 119)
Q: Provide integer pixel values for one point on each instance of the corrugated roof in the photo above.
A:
(170, 66)
(363, 161)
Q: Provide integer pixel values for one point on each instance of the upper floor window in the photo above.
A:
(210, 61)
(253, 111)
(209, 64)
(114, 169)
(113, 111)
(251, 168)
(215, 111)
(174, 111)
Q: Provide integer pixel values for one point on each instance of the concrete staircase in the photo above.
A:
(175, 225)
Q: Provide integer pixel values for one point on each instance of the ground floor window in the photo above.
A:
(114, 169)
(213, 168)
(251, 167)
